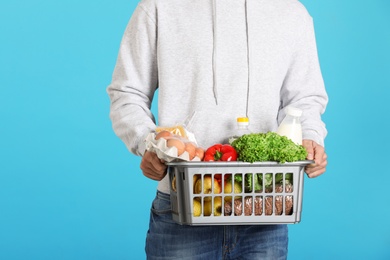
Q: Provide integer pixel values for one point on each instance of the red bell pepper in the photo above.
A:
(220, 152)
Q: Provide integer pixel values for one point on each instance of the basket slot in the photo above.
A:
(259, 205)
(278, 205)
(289, 205)
(289, 183)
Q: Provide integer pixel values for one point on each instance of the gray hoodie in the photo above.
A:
(213, 61)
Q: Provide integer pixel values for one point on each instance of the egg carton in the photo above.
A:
(168, 154)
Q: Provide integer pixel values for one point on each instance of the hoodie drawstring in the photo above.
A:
(247, 57)
(215, 85)
(215, 52)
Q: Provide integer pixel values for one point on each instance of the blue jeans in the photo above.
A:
(168, 240)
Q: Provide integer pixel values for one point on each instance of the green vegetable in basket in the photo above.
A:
(258, 182)
(261, 181)
(260, 147)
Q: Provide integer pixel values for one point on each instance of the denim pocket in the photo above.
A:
(161, 208)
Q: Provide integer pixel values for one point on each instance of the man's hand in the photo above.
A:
(317, 153)
(153, 167)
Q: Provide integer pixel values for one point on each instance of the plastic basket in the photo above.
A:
(269, 193)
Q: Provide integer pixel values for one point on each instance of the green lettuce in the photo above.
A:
(270, 146)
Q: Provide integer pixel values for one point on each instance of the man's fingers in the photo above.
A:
(152, 173)
(149, 171)
(316, 173)
(152, 167)
(317, 153)
(318, 168)
(308, 144)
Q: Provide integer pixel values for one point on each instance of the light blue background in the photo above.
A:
(69, 189)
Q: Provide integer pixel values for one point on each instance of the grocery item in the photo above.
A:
(190, 148)
(174, 143)
(176, 130)
(220, 152)
(199, 152)
(207, 185)
(270, 146)
(163, 134)
(291, 125)
(242, 128)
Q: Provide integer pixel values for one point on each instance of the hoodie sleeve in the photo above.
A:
(304, 87)
(134, 82)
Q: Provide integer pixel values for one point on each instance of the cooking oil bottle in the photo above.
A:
(242, 128)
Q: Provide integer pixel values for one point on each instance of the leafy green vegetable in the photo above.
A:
(238, 178)
(270, 146)
(258, 182)
(255, 181)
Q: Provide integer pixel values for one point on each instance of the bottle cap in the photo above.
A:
(294, 111)
(242, 120)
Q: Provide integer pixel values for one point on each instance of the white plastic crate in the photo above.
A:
(200, 193)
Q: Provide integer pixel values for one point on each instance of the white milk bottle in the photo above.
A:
(242, 128)
(291, 125)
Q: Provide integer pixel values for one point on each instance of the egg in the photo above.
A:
(175, 142)
(163, 134)
(199, 152)
(190, 149)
